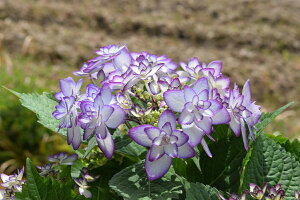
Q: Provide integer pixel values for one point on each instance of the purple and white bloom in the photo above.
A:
(12, 184)
(66, 112)
(165, 142)
(63, 158)
(83, 186)
(96, 116)
(168, 65)
(110, 58)
(87, 176)
(197, 112)
(124, 101)
(117, 80)
(243, 112)
(143, 69)
(69, 88)
(46, 169)
(138, 111)
(256, 192)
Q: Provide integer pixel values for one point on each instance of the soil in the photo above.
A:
(256, 39)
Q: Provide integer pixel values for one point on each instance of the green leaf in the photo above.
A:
(198, 191)
(125, 145)
(38, 188)
(291, 146)
(91, 144)
(271, 163)
(43, 105)
(268, 117)
(76, 168)
(223, 170)
(132, 183)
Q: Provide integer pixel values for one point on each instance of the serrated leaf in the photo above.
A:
(39, 188)
(271, 163)
(198, 191)
(43, 105)
(268, 117)
(132, 183)
(291, 146)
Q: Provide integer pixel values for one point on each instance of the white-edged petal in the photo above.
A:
(116, 118)
(106, 145)
(139, 135)
(175, 100)
(195, 134)
(156, 152)
(158, 168)
(167, 116)
(186, 151)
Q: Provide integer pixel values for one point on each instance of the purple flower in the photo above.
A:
(243, 112)
(197, 112)
(98, 115)
(68, 88)
(110, 58)
(63, 158)
(83, 186)
(46, 170)
(12, 184)
(168, 65)
(165, 142)
(66, 112)
(256, 192)
(142, 69)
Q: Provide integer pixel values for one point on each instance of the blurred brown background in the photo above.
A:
(42, 41)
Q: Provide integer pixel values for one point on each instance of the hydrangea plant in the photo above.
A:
(140, 121)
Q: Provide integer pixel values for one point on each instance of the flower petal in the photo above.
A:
(235, 125)
(195, 134)
(186, 151)
(106, 94)
(123, 60)
(221, 117)
(85, 193)
(116, 118)
(205, 147)
(171, 150)
(139, 135)
(152, 132)
(156, 152)
(186, 117)
(167, 116)
(158, 168)
(174, 99)
(205, 124)
(189, 93)
(67, 86)
(106, 112)
(200, 85)
(106, 145)
(247, 92)
(74, 136)
(182, 138)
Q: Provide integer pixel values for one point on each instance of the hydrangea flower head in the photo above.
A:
(197, 112)
(165, 142)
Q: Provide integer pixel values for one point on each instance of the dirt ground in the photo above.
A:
(256, 39)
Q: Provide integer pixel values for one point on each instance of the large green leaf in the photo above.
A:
(43, 106)
(291, 146)
(223, 170)
(198, 191)
(269, 162)
(39, 188)
(268, 117)
(132, 183)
